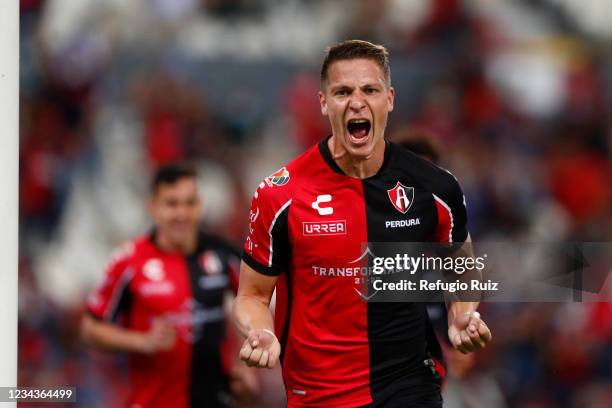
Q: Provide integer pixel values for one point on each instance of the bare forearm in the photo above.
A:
(457, 308)
(110, 337)
(250, 314)
(454, 306)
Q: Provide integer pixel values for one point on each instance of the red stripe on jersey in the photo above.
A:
(439, 368)
(444, 229)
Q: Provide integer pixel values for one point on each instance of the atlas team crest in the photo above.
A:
(210, 263)
(401, 197)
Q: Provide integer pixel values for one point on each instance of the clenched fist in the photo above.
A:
(467, 332)
(260, 349)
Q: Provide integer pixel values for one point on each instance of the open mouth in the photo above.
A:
(359, 128)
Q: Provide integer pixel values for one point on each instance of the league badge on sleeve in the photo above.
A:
(280, 178)
(401, 197)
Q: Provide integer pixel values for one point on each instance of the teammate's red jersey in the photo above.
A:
(308, 224)
(142, 283)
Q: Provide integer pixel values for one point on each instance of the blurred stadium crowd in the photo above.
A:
(516, 94)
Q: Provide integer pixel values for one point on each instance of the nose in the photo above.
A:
(181, 213)
(357, 102)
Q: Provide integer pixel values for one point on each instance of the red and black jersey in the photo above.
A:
(308, 224)
(144, 282)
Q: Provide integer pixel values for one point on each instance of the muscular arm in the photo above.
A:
(108, 336)
(252, 304)
(253, 318)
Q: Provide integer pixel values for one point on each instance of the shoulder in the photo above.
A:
(123, 253)
(130, 255)
(278, 188)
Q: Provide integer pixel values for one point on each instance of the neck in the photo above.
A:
(186, 247)
(356, 166)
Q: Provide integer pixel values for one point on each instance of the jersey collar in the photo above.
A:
(328, 158)
(201, 243)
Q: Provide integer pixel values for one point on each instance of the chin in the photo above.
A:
(180, 238)
(364, 150)
(361, 152)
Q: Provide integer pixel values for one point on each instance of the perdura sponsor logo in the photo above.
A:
(337, 227)
(402, 223)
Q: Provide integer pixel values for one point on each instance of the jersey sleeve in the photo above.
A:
(267, 248)
(112, 298)
(452, 213)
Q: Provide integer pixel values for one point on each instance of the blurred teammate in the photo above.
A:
(418, 142)
(308, 224)
(162, 301)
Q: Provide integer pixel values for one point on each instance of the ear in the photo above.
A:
(323, 103)
(391, 98)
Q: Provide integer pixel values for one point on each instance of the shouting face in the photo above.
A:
(357, 99)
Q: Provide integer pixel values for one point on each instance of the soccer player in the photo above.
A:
(308, 222)
(162, 301)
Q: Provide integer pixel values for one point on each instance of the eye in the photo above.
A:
(341, 92)
(371, 91)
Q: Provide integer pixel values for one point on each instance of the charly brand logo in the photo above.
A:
(154, 270)
(156, 285)
(280, 178)
(401, 197)
(337, 227)
(323, 198)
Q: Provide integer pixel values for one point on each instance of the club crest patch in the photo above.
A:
(401, 197)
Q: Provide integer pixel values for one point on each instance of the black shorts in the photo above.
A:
(410, 400)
